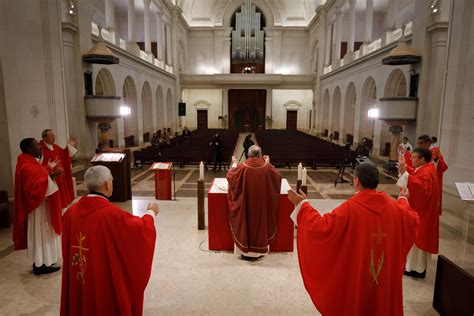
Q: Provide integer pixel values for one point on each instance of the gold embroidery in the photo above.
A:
(375, 274)
(79, 258)
(379, 235)
(375, 270)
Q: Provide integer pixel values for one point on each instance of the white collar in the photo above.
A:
(94, 195)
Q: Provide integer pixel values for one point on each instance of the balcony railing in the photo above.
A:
(110, 38)
(373, 46)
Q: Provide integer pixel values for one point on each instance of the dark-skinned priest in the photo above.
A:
(37, 215)
(253, 195)
(352, 259)
(107, 252)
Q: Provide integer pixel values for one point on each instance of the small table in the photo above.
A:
(220, 237)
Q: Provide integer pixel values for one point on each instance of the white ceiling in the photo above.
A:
(285, 12)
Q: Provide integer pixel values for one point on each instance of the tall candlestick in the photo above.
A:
(303, 180)
(300, 169)
(201, 171)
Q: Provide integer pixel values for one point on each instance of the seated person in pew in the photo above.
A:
(253, 196)
(352, 259)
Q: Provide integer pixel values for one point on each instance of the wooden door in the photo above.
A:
(291, 119)
(247, 109)
(202, 119)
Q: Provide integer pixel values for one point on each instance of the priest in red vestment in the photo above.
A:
(253, 196)
(352, 258)
(52, 152)
(108, 252)
(37, 214)
(423, 185)
(425, 141)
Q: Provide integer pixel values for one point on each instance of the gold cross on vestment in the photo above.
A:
(379, 235)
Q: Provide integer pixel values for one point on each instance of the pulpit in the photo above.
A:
(118, 161)
(220, 237)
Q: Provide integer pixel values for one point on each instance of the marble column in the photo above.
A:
(369, 15)
(131, 21)
(132, 46)
(168, 45)
(327, 55)
(109, 15)
(146, 18)
(390, 17)
(159, 35)
(225, 51)
(352, 16)
(338, 37)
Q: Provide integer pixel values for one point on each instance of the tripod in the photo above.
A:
(340, 175)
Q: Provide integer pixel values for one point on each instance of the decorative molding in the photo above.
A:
(202, 105)
(292, 105)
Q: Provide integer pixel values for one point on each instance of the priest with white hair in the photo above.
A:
(107, 252)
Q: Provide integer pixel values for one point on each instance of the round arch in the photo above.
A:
(349, 110)
(147, 110)
(104, 83)
(224, 15)
(368, 100)
(129, 96)
(325, 118)
(336, 110)
(160, 108)
(396, 84)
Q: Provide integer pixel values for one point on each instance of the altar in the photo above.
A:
(220, 237)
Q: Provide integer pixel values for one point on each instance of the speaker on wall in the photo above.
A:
(182, 109)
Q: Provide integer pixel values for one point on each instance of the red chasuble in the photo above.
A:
(64, 181)
(441, 167)
(107, 259)
(352, 259)
(424, 189)
(31, 184)
(253, 195)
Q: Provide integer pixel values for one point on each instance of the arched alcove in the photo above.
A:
(396, 84)
(349, 110)
(147, 108)
(170, 113)
(160, 108)
(368, 100)
(105, 86)
(129, 97)
(336, 110)
(104, 83)
(325, 118)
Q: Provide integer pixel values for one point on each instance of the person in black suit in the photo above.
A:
(216, 150)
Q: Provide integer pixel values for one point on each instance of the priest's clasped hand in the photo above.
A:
(266, 158)
(294, 197)
(404, 193)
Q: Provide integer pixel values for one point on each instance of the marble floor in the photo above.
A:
(187, 279)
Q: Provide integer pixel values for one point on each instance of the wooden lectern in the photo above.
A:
(118, 161)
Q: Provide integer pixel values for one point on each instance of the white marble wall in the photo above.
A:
(33, 82)
(202, 99)
(456, 129)
(284, 100)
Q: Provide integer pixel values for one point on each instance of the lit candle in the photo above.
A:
(300, 169)
(303, 180)
(201, 171)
